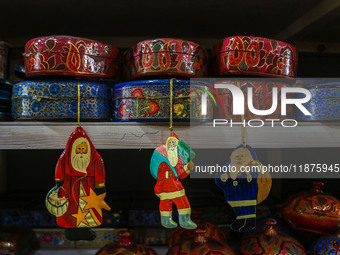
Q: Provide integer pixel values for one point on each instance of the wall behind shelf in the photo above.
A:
(127, 171)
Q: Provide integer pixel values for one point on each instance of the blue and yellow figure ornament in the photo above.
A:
(245, 185)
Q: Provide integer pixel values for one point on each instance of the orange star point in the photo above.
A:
(96, 202)
(80, 216)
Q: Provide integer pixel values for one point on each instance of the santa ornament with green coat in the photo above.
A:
(169, 163)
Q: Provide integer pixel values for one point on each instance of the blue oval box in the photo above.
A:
(324, 103)
(58, 100)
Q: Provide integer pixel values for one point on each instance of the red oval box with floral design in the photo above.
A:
(313, 211)
(165, 56)
(262, 99)
(73, 56)
(255, 56)
(270, 242)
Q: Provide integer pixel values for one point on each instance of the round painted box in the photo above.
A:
(326, 245)
(312, 211)
(324, 103)
(262, 99)
(73, 56)
(58, 100)
(125, 247)
(255, 56)
(200, 245)
(165, 56)
(270, 242)
(149, 100)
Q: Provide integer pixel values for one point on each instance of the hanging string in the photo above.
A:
(171, 102)
(78, 121)
(243, 131)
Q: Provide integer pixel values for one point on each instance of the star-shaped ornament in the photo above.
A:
(96, 202)
(80, 216)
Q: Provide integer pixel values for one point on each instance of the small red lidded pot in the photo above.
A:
(255, 56)
(125, 247)
(72, 56)
(313, 211)
(200, 245)
(270, 243)
(165, 56)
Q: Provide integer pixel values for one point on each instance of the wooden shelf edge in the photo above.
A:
(118, 135)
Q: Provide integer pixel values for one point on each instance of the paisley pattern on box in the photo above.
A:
(55, 100)
(254, 56)
(62, 55)
(324, 105)
(165, 57)
(150, 101)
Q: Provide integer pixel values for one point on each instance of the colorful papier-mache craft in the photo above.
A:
(313, 211)
(326, 245)
(200, 245)
(169, 163)
(245, 185)
(125, 247)
(77, 200)
(256, 56)
(72, 56)
(270, 242)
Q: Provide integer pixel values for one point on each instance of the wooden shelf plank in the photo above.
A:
(111, 135)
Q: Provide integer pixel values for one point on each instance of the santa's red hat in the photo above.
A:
(174, 135)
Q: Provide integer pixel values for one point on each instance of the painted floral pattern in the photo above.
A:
(151, 102)
(165, 57)
(54, 100)
(254, 56)
(324, 105)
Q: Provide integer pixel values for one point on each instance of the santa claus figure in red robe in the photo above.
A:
(169, 163)
(78, 197)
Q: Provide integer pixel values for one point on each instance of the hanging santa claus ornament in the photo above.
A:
(77, 200)
(244, 185)
(169, 163)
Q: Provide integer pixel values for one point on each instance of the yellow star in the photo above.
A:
(96, 202)
(80, 216)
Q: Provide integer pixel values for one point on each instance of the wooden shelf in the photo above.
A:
(111, 135)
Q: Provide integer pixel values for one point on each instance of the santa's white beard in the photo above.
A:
(173, 157)
(80, 164)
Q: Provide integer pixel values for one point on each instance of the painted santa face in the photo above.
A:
(172, 151)
(81, 154)
(241, 157)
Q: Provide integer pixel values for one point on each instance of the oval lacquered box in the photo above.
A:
(324, 103)
(200, 245)
(255, 56)
(262, 99)
(165, 57)
(58, 100)
(326, 245)
(72, 56)
(149, 100)
(125, 247)
(270, 242)
(312, 211)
